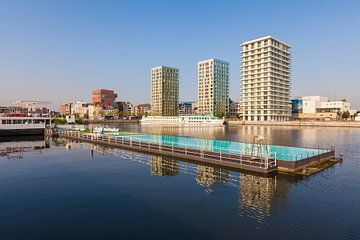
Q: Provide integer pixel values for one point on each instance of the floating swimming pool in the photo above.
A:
(282, 152)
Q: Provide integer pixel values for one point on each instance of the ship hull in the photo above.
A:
(21, 132)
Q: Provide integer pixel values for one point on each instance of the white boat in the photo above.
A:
(105, 129)
(184, 120)
(19, 125)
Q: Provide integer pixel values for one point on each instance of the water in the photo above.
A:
(79, 191)
(282, 152)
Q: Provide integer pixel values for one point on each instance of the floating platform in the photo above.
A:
(236, 155)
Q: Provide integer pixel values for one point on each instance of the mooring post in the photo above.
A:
(220, 155)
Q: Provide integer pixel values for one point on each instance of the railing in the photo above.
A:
(266, 162)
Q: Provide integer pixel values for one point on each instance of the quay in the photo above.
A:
(253, 157)
(346, 124)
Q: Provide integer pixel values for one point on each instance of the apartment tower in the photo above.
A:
(164, 91)
(266, 80)
(213, 87)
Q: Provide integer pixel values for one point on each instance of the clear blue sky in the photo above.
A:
(61, 50)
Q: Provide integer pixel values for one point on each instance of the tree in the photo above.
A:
(58, 121)
(221, 115)
(345, 115)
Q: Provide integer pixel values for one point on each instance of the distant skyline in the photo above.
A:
(61, 50)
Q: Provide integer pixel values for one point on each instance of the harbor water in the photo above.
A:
(60, 189)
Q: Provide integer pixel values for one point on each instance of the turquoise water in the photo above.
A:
(282, 152)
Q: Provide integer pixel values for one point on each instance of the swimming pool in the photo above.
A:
(282, 152)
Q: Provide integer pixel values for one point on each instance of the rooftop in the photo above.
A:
(263, 38)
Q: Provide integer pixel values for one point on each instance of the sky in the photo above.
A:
(60, 50)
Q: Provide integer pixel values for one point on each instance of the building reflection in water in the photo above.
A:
(263, 195)
(15, 147)
(163, 166)
(208, 176)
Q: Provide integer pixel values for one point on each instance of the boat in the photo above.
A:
(105, 129)
(184, 120)
(19, 125)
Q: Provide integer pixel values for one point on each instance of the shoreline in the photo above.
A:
(297, 123)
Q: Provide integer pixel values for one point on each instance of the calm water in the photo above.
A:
(81, 191)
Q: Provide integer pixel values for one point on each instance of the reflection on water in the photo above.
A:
(15, 147)
(207, 176)
(263, 194)
(259, 193)
(163, 166)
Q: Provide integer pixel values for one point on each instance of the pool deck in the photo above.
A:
(209, 157)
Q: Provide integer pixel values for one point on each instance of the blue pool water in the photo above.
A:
(282, 152)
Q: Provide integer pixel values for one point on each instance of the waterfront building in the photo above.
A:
(335, 106)
(296, 108)
(65, 109)
(70, 119)
(321, 108)
(110, 112)
(235, 110)
(186, 108)
(142, 109)
(311, 103)
(124, 108)
(164, 91)
(213, 87)
(95, 111)
(195, 108)
(80, 109)
(103, 97)
(266, 80)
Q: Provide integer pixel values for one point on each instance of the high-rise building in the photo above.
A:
(266, 80)
(103, 97)
(213, 87)
(164, 91)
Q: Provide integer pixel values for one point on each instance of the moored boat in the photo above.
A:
(23, 125)
(184, 120)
